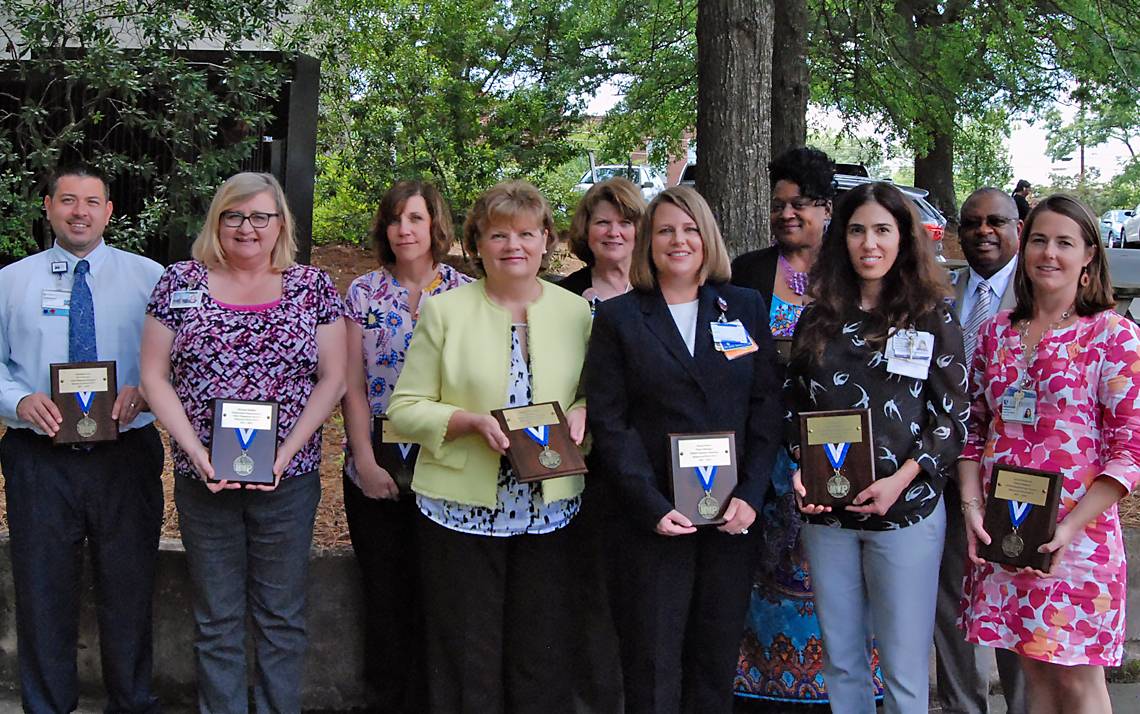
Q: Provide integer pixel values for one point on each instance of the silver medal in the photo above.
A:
(550, 458)
(86, 427)
(1012, 545)
(243, 465)
(708, 506)
(838, 486)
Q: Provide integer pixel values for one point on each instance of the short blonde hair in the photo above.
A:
(715, 266)
(237, 189)
(507, 201)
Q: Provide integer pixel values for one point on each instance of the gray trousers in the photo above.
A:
(964, 670)
(893, 576)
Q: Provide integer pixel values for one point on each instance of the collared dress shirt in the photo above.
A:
(31, 340)
(998, 282)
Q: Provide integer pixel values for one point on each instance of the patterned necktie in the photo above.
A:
(978, 315)
(81, 320)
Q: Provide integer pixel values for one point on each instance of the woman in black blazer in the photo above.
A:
(653, 370)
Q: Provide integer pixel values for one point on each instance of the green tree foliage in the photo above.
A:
(980, 156)
(111, 82)
(466, 93)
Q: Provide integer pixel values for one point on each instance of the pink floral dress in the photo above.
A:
(1088, 377)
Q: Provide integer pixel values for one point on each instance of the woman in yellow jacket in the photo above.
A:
(493, 551)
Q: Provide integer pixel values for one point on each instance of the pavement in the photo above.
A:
(1125, 700)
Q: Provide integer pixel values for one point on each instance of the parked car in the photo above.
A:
(688, 176)
(650, 181)
(932, 219)
(1131, 228)
(1112, 227)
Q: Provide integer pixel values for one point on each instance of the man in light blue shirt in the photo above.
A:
(107, 496)
(988, 230)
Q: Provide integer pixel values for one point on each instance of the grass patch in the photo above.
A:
(1127, 673)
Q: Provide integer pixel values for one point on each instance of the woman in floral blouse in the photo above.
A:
(1065, 341)
(412, 234)
(876, 277)
(242, 320)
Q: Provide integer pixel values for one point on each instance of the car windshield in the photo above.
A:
(609, 172)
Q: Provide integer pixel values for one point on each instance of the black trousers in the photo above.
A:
(383, 536)
(679, 604)
(496, 613)
(109, 498)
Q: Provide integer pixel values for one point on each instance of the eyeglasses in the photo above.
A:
(233, 219)
(798, 204)
(995, 222)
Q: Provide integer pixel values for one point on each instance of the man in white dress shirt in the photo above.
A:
(80, 300)
(988, 231)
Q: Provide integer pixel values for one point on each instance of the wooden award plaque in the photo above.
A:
(842, 435)
(1034, 496)
(698, 459)
(527, 427)
(243, 445)
(394, 453)
(783, 350)
(85, 393)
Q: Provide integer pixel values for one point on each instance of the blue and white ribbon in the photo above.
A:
(539, 434)
(405, 449)
(84, 399)
(707, 474)
(245, 437)
(1018, 512)
(836, 454)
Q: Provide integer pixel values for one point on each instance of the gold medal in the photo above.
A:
(243, 465)
(549, 458)
(708, 506)
(86, 427)
(1012, 545)
(838, 486)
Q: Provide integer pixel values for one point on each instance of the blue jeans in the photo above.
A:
(60, 500)
(893, 575)
(249, 548)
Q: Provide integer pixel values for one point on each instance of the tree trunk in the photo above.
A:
(935, 173)
(734, 90)
(791, 82)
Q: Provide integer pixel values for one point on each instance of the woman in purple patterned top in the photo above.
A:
(244, 321)
(412, 233)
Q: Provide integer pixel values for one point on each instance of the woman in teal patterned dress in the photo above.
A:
(781, 653)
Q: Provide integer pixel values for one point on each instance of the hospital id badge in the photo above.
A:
(1019, 406)
(183, 299)
(56, 303)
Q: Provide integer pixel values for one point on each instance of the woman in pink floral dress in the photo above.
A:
(1083, 359)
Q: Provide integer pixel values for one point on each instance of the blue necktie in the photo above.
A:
(81, 320)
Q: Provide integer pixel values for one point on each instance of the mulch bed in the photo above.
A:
(344, 262)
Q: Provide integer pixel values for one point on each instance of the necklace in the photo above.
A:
(797, 281)
(1030, 355)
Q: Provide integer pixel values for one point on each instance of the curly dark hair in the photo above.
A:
(810, 169)
(913, 288)
(1095, 297)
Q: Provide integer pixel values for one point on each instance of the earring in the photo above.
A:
(1084, 277)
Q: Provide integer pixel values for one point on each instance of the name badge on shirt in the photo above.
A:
(732, 339)
(58, 267)
(56, 303)
(1019, 406)
(909, 353)
(182, 299)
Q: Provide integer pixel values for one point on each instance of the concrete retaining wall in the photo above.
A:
(336, 641)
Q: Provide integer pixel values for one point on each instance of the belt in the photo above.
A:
(83, 448)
